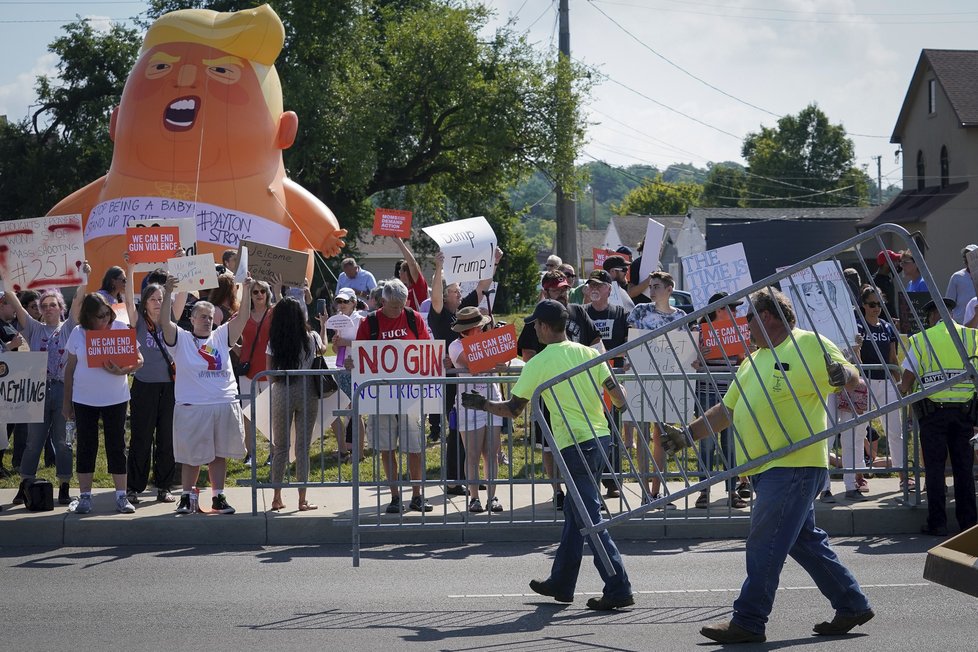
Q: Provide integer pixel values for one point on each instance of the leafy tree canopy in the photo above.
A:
(660, 198)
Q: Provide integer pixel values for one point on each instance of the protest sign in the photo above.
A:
(600, 255)
(345, 328)
(484, 351)
(654, 232)
(388, 221)
(264, 260)
(23, 386)
(717, 270)
(972, 259)
(241, 274)
(121, 312)
(469, 247)
(723, 337)
(417, 359)
(188, 236)
(653, 399)
(328, 406)
(488, 298)
(42, 252)
(823, 302)
(152, 244)
(911, 311)
(193, 272)
(117, 345)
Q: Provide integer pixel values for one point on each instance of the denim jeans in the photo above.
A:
(585, 469)
(783, 523)
(37, 435)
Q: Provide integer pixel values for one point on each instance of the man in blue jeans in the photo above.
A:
(582, 436)
(778, 398)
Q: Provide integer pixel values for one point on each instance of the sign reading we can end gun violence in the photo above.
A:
(42, 252)
(724, 337)
(485, 350)
(152, 244)
(388, 221)
(118, 346)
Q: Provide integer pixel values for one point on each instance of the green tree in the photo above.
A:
(804, 161)
(725, 186)
(660, 198)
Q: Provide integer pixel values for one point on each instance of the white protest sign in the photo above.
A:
(215, 224)
(328, 406)
(653, 399)
(241, 273)
(343, 325)
(654, 232)
(193, 272)
(469, 247)
(488, 299)
(399, 359)
(23, 386)
(822, 302)
(717, 270)
(42, 252)
(188, 237)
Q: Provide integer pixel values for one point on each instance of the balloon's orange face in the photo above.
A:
(193, 113)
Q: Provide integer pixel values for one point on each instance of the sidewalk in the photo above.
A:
(528, 516)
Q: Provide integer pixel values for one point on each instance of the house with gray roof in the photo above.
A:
(937, 131)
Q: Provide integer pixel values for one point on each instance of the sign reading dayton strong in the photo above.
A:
(415, 359)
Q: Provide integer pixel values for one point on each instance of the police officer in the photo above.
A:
(946, 418)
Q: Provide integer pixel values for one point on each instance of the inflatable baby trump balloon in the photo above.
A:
(199, 133)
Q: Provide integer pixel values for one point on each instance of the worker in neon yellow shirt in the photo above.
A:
(777, 399)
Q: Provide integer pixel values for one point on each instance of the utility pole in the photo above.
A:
(566, 240)
(879, 180)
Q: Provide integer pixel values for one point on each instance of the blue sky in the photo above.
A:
(681, 80)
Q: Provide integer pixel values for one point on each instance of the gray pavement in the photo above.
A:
(448, 596)
(529, 516)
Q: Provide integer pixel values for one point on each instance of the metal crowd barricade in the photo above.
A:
(665, 350)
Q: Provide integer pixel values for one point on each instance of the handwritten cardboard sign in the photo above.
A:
(717, 270)
(118, 346)
(388, 221)
(193, 272)
(188, 236)
(42, 252)
(264, 260)
(823, 302)
(653, 399)
(723, 337)
(154, 244)
(484, 351)
(418, 359)
(469, 247)
(23, 386)
(600, 255)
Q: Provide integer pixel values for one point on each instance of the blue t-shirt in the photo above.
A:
(885, 337)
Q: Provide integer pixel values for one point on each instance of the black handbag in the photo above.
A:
(325, 384)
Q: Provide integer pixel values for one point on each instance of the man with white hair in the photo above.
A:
(359, 280)
(390, 432)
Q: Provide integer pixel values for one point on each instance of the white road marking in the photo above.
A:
(674, 591)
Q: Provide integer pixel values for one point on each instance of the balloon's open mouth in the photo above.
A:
(181, 113)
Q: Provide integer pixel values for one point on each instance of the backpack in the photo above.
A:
(38, 495)
(374, 323)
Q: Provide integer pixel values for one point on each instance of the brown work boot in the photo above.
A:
(731, 632)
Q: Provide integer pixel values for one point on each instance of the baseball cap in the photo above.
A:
(600, 276)
(614, 262)
(554, 284)
(720, 295)
(346, 293)
(887, 253)
(547, 311)
(968, 249)
(624, 250)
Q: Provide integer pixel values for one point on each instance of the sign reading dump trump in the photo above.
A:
(118, 346)
(469, 247)
(23, 386)
(42, 252)
(388, 221)
(717, 270)
(484, 351)
(418, 359)
(654, 399)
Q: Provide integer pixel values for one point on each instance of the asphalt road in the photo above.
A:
(459, 598)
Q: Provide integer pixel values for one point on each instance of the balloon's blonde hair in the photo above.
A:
(256, 35)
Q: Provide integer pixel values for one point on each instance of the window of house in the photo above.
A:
(920, 170)
(932, 96)
(945, 167)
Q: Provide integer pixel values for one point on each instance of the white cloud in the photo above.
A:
(101, 24)
(17, 96)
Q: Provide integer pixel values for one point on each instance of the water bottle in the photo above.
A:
(70, 432)
(194, 499)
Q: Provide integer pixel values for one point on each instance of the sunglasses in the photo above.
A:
(342, 301)
(906, 260)
(873, 304)
(104, 315)
(256, 292)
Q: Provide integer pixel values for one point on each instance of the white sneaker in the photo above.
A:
(123, 506)
(81, 505)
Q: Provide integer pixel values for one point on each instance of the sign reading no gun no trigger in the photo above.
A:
(469, 247)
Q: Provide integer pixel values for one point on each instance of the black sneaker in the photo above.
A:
(395, 506)
(220, 505)
(19, 498)
(419, 504)
(183, 507)
(132, 497)
(63, 497)
(455, 490)
(559, 501)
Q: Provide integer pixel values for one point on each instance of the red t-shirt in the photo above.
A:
(417, 293)
(258, 359)
(394, 329)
